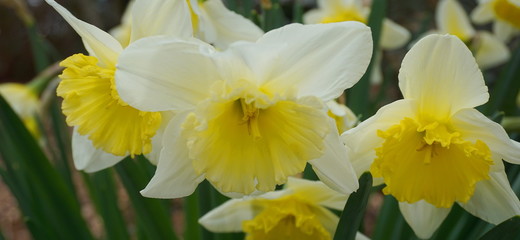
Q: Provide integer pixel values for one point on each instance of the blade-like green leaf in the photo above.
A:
(354, 210)
(205, 205)
(45, 200)
(507, 230)
(272, 15)
(152, 216)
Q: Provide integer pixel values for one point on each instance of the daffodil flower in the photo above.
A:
(105, 128)
(252, 115)
(393, 36)
(215, 24)
(432, 149)
(504, 13)
(344, 117)
(24, 101)
(489, 51)
(299, 211)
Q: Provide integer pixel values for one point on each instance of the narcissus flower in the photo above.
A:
(504, 13)
(393, 36)
(24, 101)
(252, 115)
(344, 117)
(105, 128)
(298, 212)
(433, 149)
(489, 51)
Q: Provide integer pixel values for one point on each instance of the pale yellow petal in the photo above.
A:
(393, 35)
(441, 74)
(229, 216)
(316, 192)
(490, 51)
(423, 217)
(482, 14)
(451, 18)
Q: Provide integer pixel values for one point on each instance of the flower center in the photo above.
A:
(430, 162)
(508, 12)
(346, 14)
(285, 218)
(92, 104)
(244, 140)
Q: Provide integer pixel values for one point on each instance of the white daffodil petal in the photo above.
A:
(88, 158)
(313, 16)
(159, 17)
(229, 216)
(503, 30)
(333, 167)
(162, 73)
(175, 176)
(288, 58)
(157, 139)
(493, 201)
(99, 43)
(442, 75)
(423, 217)
(451, 18)
(393, 35)
(482, 14)
(474, 126)
(490, 51)
(229, 27)
(362, 140)
(316, 192)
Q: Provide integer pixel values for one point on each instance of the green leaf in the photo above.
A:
(151, 214)
(192, 229)
(272, 15)
(354, 210)
(44, 198)
(358, 95)
(507, 230)
(205, 206)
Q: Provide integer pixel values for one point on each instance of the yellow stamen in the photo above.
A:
(92, 104)
(430, 162)
(285, 218)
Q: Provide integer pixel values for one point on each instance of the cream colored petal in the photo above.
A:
(123, 31)
(362, 140)
(318, 60)
(442, 75)
(423, 217)
(157, 139)
(162, 73)
(99, 43)
(333, 167)
(493, 201)
(331, 5)
(393, 35)
(174, 176)
(482, 14)
(504, 31)
(159, 17)
(316, 192)
(490, 51)
(328, 219)
(229, 216)
(88, 158)
(313, 16)
(451, 18)
(474, 126)
(227, 26)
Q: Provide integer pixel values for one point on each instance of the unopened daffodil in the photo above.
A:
(298, 212)
(252, 115)
(432, 149)
(489, 51)
(505, 15)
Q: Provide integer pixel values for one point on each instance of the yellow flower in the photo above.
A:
(252, 115)
(433, 149)
(105, 128)
(504, 13)
(24, 102)
(489, 51)
(298, 212)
